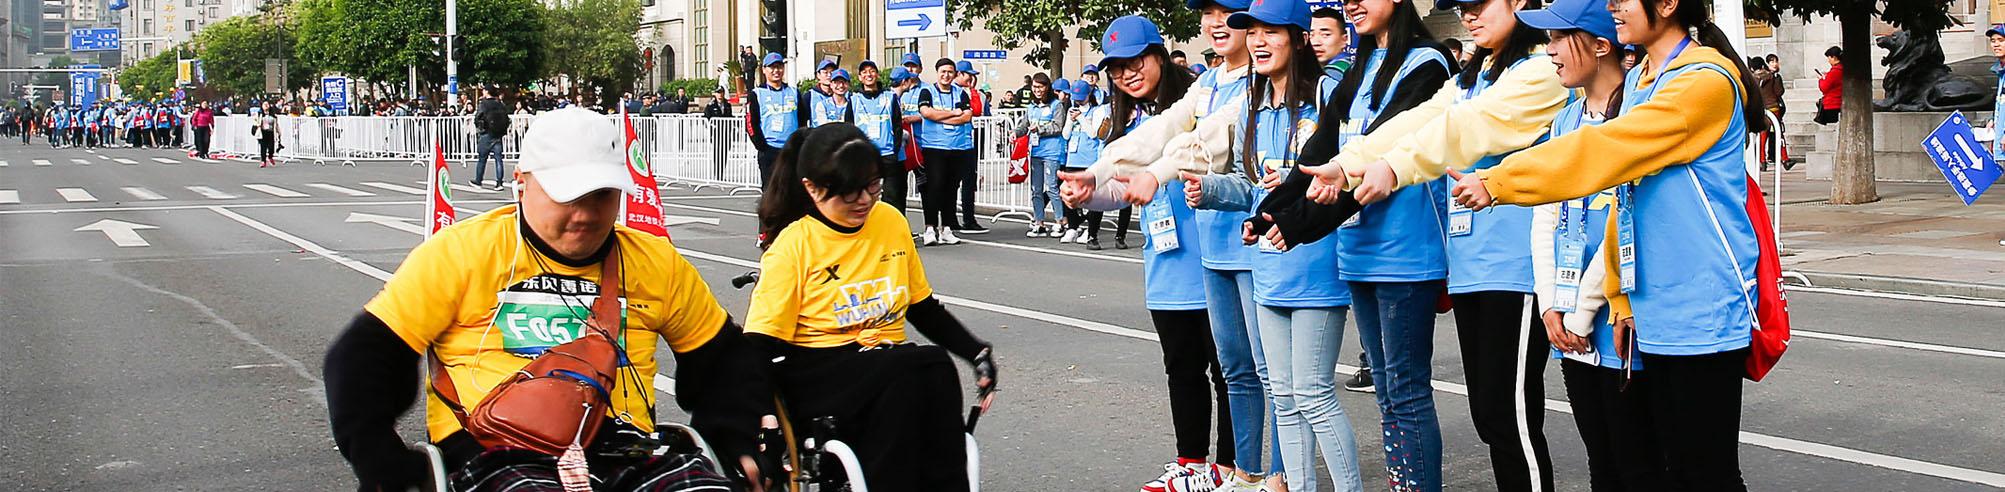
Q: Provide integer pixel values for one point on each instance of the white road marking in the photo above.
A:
(3, 163)
(246, 205)
(211, 193)
(143, 193)
(341, 190)
(75, 195)
(164, 160)
(125, 161)
(398, 223)
(275, 191)
(120, 232)
(318, 388)
(304, 244)
(1896, 296)
(8, 197)
(465, 188)
(43, 162)
(85, 162)
(396, 188)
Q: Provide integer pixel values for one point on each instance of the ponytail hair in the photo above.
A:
(1696, 15)
(836, 157)
(1523, 42)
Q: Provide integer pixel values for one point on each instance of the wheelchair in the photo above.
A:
(819, 462)
(669, 438)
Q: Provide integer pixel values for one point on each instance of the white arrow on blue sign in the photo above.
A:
(105, 39)
(904, 19)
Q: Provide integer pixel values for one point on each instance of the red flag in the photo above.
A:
(643, 210)
(439, 207)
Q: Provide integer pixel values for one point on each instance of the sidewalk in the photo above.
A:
(1918, 239)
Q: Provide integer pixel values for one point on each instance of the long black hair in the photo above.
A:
(837, 157)
(1405, 31)
(1583, 49)
(1697, 16)
(1304, 76)
(1523, 42)
(1170, 88)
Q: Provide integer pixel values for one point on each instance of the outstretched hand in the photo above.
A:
(1141, 188)
(1468, 190)
(1330, 182)
(1077, 186)
(1193, 188)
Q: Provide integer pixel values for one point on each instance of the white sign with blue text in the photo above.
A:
(1964, 162)
(904, 19)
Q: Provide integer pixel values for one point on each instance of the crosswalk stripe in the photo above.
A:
(396, 188)
(81, 161)
(3, 163)
(465, 188)
(208, 192)
(76, 195)
(125, 161)
(341, 190)
(143, 193)
(164, 160)
(43, 162)
(275, 191)
(8, 197)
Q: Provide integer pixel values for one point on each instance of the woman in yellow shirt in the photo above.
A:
(839, 278)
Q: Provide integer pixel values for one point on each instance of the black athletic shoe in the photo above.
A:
(1360, 382)
(973, 228)
(1093, 244)
(1120, 242)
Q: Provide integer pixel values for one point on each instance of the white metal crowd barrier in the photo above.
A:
(688, 150)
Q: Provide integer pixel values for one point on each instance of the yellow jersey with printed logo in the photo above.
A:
(487, 298)
(822, 286)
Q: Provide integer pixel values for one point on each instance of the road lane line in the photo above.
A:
(392, 187)
(245, 205)
(341, 190)
(125, 161)
(43, 162)
(3, 163)
(143, 193)
(75, 195)
(304, 244)
(318, 389)
(211, 193)
(164, 160)
(1947, 349)
(275, 191)
(9, 197)
(85, 162)
(1896, 296)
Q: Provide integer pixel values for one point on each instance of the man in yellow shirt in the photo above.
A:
(486, 296)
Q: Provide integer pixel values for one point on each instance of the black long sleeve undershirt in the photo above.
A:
(932, 320)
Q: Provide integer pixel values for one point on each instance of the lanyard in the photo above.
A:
(1667, 60)
(1625, 235)
(1572, 256)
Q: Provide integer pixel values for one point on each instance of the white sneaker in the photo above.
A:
(1198, 477)
(947, 237)
(927, 238)
(1070, 234)
(1171, 471)
(1083, 237)
(1234, 485)
(1036, 230)
(1055, 232)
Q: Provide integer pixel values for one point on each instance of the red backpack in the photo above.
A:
(1771, 335)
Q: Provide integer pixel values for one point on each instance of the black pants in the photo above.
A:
(1622, 451)
(1504, 352)
(893, 173)
(899, 407)
(968, 170)
(1827, 116)
(1694, 403)
(1188, 355)
(943, 176)
(267, 147)
(202, 141)
(766, 157)
(1121, 220)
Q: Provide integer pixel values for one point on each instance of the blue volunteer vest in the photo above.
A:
(1082, 148)
(936, 135)
(1220, 230)
(1596, 208)
(823, 110)
(1172, 280)
(1495, 254)
(1304, 276)
(1049, 147)
(1402, 238)
(877, 116)
(778, 113)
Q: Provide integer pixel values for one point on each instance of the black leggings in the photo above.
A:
(1694, 403)
(898, 407)
(1622, 451)
(1504, 352)
(943, 178)
(1188, 354)
(267, 147)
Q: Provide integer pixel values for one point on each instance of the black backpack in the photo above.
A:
(492, 119)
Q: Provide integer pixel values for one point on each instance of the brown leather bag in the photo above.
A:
(559, 397)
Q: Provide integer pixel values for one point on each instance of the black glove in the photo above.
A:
(985, 369)
(395, 470)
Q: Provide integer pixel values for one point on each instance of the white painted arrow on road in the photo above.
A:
(398, 223)
(120, 232)
(676, 220)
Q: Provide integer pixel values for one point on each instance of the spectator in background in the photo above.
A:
(204, 120)
(679, 103)
(1833, 87)
(1775, 65)
(1328, 39)
(748, 62)
(968, 168)
(1179, 59)
(1455, 51)
(718, 107)
(1770, 88)
(490, 118)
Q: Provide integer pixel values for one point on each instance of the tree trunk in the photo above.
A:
(1056, 58)
(1852, 176)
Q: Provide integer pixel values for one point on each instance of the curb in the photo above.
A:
(1900, 285)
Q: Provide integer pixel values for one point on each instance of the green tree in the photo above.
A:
(374, 40)
(1852, 174)
(1017, 23)
(504, 40)
(57, 79)
(234, 52)
(592, 42)
(141, 80)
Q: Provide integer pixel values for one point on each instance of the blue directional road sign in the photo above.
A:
(83, 86)
(334, 91)
(1964, 161)
(905, 19)
(102, 39)
(984, 54)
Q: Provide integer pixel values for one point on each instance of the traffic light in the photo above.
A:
(459, 47)
(773, 26)
(438, 45)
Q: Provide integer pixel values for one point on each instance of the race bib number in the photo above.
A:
(545, 311)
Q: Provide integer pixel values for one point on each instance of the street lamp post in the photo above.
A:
(452, 65)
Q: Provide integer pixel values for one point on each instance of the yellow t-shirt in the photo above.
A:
(821, 287)
(486, 301)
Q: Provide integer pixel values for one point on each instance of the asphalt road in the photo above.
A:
(189, 357)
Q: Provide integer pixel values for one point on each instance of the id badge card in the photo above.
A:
(1162, 227)
(1266, 246)
(1572, 256)
(1625, 236)
(1461, 220)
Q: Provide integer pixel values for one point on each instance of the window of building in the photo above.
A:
(146, 26)
(146, 50)
(187, 3)
(859, 19)
(700, 33)
(213, 13)
(190, 25)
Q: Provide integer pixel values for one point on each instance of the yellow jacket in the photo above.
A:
(1422, 143)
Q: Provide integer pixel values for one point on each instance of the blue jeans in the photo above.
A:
(1228, 296)
(485, 146)
(1301, 349)
(1396, 327)
(1044, 188)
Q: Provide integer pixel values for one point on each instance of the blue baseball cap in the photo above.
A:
(839, 74)
(1998, 29)
(1197, 68)
(1273, 13)
(824, 65)
(772, 58)
(1080, 91)
(1586, 15)
(1089, 69)
(866, 63)
(1127, 36)
(911, 59)
(1228, 4)
(964, 67)
(1061, 85)
(899, 74)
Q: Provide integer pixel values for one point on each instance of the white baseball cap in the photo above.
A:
(574, 151)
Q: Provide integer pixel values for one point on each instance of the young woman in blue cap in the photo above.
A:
(831, 103)
(1683, 288)
(773, 112)
(1622, 452)
(876, 111)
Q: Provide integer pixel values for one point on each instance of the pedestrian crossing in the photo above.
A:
(43, 162)
(126, 192)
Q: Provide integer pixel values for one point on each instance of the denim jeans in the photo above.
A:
(1301, 349)
(1228, 296)
(1396, 327)
(1044, 188)
(488, 145)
